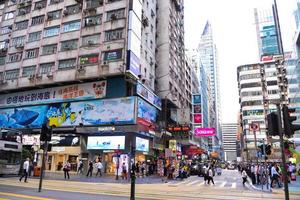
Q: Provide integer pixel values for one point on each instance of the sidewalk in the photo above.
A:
(105, 178)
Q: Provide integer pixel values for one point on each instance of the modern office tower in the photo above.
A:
(208, 58)
(84, 66)
(229, 141)
(257, 84)
(268, 35)
(170, 55)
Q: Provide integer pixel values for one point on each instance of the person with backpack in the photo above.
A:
(66, 169)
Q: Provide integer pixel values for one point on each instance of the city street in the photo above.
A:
(227, 186)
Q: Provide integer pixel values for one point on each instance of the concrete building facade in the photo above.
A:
(229, 138)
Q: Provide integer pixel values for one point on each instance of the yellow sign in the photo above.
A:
(172, 145)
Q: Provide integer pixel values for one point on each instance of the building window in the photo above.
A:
(37, 20)
(27, 71)
(22, 25)
(6, 30)
(54, 15)
(2, 60)
(3, 44)
(15, 57)
(115, 14)
(69, 63)
(71, 26)
(113, 34)
(12, 74)
(112, 1)
(69, 45)
(91, 40)
(1, 76)
(18, 41)
(35, 36)
(45, 68)
(49, 49)
(74, 9)
(40, 4)
(2, 4)
(94, 3)
(112, 55)
(52, 31)
(8, 15)
(32, 53)
(24, 10)
(93, 20)
(89, 59)
(55, 1)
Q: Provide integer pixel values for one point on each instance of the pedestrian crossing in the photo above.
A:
(201, 183)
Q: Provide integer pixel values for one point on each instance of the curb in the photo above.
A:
(256, 188)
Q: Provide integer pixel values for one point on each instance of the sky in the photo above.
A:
(235, 37)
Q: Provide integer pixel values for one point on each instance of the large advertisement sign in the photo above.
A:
(106, 142)
(196, 99)
(148, 95)
(93, 90)
(146, 111)
(142, 144)
(204, 132)
(133, 64)
(197, 118)
(65, 141)
(95, 112)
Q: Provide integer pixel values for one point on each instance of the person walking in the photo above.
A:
(99, 168)
(244, 176)
(80, 167)
(124, 171)
(274, 176)
(210, 175)
(66, 169)
(25, 170)
(90, 169)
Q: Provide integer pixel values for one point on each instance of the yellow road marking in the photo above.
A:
(3, 199)
(23, 196)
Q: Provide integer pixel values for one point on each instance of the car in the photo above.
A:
(231, 167)
(196, 169)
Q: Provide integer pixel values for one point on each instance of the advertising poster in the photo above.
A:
(133, 64)
(106, 142)
(142, 144)
(197, 118)
(84, 91)
(146, 111)
(64, 141)
(148, 95)
(204, 132)
(172, 145)
(96, 112)
(197, 108)
(196, 99)
(31, 140)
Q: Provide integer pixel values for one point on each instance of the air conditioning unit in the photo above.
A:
(49, 74)
(49, 17)
(89, 10)
(39, 76)
(113, 16)
(145, 21)
(22, 12)
(55, 1)
(67, 47)
(19, 46)
(90, 42)
(81, 68)
(90, 22)
(31, 77)
(39, 6)
(3, 81)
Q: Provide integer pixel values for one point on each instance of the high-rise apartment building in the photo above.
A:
(208, 58)
(229, 141)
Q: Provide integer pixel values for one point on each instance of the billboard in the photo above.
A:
(204, 132)
(148, 95)
(84, 91)
(95, 112)
(196, 99)
(31, 140)
(133, 64)
(197, 118)
(106, 142)
(65, 141)
(146, 111)
(141, 144)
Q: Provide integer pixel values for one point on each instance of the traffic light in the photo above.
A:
(289, 128)
(268, 149)
(261, 147)
(46, 133)
(273, 128)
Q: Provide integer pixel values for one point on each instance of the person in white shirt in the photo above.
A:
(25, 170)
(244, 176)
(99, 168)
(210, 176)
(274, 175)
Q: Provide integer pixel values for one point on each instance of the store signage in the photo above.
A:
(33, 140)
(197, 108)
(193, 150)
(133, 65)
(148, 95)
(94, 112)
(106, 142)
(179, 128)
(84, 91)
(113, 55)
(172, 145)
(65, 141)
(141, 144)
(197, 118)
(158, 146)
(58, 149)
(196, 99)
(204, 132)
(106, 128)
(89, 59)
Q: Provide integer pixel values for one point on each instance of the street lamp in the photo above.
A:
(118, 163)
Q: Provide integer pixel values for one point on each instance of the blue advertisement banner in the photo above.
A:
(106, 142)
(133, 64)
(96, 112)
(142, 144)
(148, 95)
(196, 99)
(146, 111)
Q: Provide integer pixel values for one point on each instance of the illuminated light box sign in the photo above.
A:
(204, 132)
(106, 142)
(142, 144)
(197, 118)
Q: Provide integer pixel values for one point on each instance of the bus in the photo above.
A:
(10, 152)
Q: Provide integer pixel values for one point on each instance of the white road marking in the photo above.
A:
(202, 183)
(233, 185)
(193, 182)
(223, 184)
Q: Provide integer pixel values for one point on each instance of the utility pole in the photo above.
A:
(43, 165)
(264, 150)
(132, 173)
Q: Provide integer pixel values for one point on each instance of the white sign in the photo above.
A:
(142, 144)
(58, 149)
(106, 142)
(92, 90)
(33, 140)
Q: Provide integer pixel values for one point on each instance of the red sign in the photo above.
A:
(204, 132)
(197, 118)
(193, 150)
(178, 128)
(145, 123)
(254, 127)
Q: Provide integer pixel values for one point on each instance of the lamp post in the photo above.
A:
(118, 163)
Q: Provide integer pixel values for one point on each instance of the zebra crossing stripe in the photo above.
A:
(202, 183)
(180, 183)
(233, 185)
(193, 182)
(223, 184)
